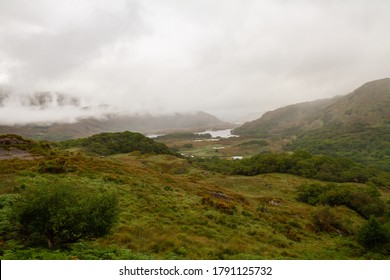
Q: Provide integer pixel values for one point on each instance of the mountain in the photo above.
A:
(286, 120)
(368, 106)
(354, 126)
(116, 123)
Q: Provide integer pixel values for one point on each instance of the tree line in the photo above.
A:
(301, 163)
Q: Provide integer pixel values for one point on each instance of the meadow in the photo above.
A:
(171, 208)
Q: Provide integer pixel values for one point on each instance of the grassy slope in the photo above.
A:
(356, 126)
(171, 210)
(224, 147)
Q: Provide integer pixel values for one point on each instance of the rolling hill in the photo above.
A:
(170, 208)
(116, 123)
(356, 126)
(367, 106)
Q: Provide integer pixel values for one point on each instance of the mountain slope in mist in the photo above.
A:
(354, 126)
(367, 106)
(115, 123)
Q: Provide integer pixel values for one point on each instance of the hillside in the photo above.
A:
(356, 126)
(116, 123)
(171, 209)
(285, 121)
(116, 143)
(367, 106)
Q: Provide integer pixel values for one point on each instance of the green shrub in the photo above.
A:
(310, 193)
(116, 143)
(363, 199)
(299, 163)
(324, 219)
(64, 214)
(373, 235)
(7, 227)
(260, 143)
(52, 166)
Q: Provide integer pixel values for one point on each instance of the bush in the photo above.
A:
(299, 163)
(188, 146)
(373, 235)
(7, 227)
(310, 193)
(52, 166)
(65, 214)
(324, 219)
(365, 200)
(116, 143)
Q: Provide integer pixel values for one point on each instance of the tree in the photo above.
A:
(310, 193)
(65, 214)
(372, 234)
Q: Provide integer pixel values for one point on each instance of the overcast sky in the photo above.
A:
(228, 58)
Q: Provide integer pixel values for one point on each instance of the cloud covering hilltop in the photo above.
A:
(229, 59)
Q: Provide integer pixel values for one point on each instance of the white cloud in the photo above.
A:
(229, 58)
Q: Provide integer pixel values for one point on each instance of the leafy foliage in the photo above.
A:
(8, 141)
(310, 193)
(370, 146)
(373, 235)
(324, 219)
(7, 227)
(299, 163)
(64, 214)
(363, 199)
(116, 143)
(260, 143)
(170, 214)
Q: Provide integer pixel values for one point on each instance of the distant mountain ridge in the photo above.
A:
(354, 126)
(116, 123)
(366, 106)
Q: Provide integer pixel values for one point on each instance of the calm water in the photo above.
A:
(224, 133)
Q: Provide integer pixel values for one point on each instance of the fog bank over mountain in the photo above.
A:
(159, 57)
(46, 108)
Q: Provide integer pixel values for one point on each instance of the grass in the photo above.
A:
(223, 148)
(172, 210)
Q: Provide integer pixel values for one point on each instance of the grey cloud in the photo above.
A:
(51, 50)
(229, 58)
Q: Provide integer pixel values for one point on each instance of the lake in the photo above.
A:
(224, 133)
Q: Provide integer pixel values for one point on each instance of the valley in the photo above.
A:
(294, 191)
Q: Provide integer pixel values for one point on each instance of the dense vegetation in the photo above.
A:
(313, 184)
(63, 214)
(374, 235)
(370, 146)
(300, 163)
(169, 208)
(116, 143)
(9, 141)
(260, 143)
(365, 200)
(355, 126)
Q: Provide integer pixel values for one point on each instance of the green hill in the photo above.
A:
(117, 143)
(171, 208)
(356, 125)
(285, 121)
(367, 106)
